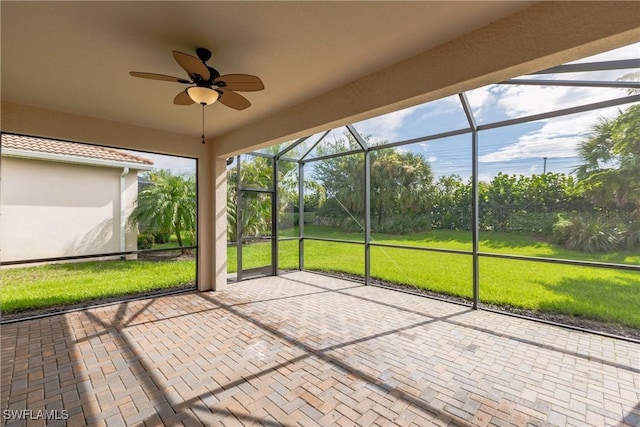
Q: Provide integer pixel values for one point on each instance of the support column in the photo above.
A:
(220, 221)
(205, 215)
(212, 223)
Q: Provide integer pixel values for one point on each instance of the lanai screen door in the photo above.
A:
(256, 229)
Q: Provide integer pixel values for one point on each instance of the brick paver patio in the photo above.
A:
(304, 349)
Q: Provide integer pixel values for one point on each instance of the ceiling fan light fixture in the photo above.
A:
(202, 95)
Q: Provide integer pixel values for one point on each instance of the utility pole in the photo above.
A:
(544, 168)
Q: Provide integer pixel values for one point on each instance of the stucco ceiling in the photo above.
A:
(75, 56)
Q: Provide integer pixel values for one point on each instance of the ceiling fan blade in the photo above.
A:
(233, 100)
(192, 65)
(162, 77)
(183, 99)
(240, 82)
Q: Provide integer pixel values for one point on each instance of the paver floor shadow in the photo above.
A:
(305, 349)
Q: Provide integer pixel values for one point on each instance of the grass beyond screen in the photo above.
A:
(65, 284)
(599, 293)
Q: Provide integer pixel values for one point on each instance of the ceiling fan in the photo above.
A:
(207, 85)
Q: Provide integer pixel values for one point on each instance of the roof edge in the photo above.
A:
(65, 158)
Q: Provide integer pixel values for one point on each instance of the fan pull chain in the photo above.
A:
(202, 122)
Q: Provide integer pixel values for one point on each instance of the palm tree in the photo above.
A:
(168, 205)
(256, 172)
(611, 161)
(400, 183)
(400, 186)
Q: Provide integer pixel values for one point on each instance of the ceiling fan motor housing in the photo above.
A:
(214, 75)
(203, 53)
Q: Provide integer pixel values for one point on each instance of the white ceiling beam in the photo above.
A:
(42, 122)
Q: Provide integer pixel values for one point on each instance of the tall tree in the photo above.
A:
(257, 172)
(610, 170)
(400, 185)
(168, 205)
(343, 181)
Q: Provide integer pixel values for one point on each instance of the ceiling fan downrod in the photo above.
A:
(203, 105)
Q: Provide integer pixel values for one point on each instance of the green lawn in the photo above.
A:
(490, 241)
(63, 284)
(610, 295)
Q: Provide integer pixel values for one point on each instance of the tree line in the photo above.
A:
(597, 209)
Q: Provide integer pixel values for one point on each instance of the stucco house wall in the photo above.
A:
(64, 207)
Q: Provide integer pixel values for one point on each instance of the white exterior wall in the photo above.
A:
(53, 209)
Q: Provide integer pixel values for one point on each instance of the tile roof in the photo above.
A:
(66, 148)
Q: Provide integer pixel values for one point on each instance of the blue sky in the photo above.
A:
(518, 149)
(178, 165)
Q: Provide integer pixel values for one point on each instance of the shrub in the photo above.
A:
(585, 234)
(161, 237)
(145, 241)
(287, 220)
(349, 225)
(534, 222)
(629, 234)
(450, 218)
(561, 230)
(189, 238)
(402, 224)
(309, 218)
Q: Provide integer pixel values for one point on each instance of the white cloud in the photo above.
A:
(558, 138)
(448, 105)
(510, 101)
(176, 164)
(384, 127)
(392, 126)
(500, 102)
(481, 100)
(432, 159)
(520, 101)
(173, 163)
(535, 145)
